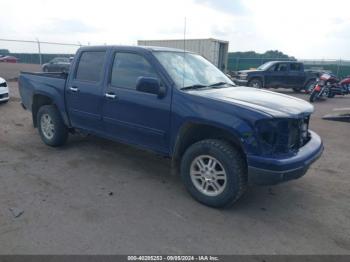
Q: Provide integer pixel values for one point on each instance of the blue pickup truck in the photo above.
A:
(220, 137)
(275, 74)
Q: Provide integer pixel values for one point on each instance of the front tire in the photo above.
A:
(256, 83)
(313, 97)
(309, 86)
(214, 173)
(52, 130)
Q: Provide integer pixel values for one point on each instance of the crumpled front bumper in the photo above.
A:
(270, 171)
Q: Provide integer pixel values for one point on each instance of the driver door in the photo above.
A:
(130, 115)
(277, 75)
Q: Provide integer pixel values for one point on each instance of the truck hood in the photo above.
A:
(271, 103)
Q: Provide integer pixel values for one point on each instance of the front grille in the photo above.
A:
(299, 133)
(3, 84)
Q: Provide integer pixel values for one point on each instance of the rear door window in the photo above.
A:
(295, 67)
(90, 67)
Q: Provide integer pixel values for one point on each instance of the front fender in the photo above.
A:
(238, 131)
(256, 76)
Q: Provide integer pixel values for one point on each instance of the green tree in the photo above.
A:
(4, 52)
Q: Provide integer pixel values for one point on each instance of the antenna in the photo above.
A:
(184, 63)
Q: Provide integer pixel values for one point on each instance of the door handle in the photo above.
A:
(74, 89)
(110, 95)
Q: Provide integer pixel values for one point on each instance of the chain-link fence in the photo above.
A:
(35, 51)
(337, 66)
(39, 52)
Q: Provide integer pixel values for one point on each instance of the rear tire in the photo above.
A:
(214, 173)
(256, 83)
(52, 130)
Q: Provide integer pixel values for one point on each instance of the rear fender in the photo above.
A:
(41, 98)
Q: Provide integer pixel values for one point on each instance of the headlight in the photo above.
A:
(273, 135)
(243, 76)
(278, 136)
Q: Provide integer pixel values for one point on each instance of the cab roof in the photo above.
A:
(125, 47)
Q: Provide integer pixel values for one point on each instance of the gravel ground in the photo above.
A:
(94, 196)
(12, 70)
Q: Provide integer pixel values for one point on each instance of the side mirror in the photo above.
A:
(150, 85)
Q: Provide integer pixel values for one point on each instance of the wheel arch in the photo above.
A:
(39, 100)
(193, 132)
(257, 77)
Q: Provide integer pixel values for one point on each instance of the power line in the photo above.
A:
(42, 42)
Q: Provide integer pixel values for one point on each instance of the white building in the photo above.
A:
(216, 51)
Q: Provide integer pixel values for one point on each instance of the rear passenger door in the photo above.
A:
(132, 116)
(84, 92)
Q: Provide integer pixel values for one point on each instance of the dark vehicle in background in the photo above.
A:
(275, 74)
(58, 64)
(8, 59)
(219, 136)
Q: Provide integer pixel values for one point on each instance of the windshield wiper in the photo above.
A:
(220, 84)
(197, 86)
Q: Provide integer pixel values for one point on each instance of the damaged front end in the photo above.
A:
(288, 148)
(282, 136)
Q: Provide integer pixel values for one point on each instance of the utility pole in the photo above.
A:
(39, 49)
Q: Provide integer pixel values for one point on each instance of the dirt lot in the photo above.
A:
(94, 196)
(11, 71)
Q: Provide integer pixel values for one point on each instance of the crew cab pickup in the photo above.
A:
(275, 74)
(220, 137)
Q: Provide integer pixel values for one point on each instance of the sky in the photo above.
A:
(306, 29)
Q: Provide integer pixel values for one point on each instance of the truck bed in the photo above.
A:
(46, 74)
(32, 83)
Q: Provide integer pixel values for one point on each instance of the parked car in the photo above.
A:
(8, 59)
(58, 64)
(220, 137)
(4, 91)
(275, 74)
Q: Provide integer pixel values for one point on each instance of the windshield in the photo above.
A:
(187, 69)
(265, 66)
